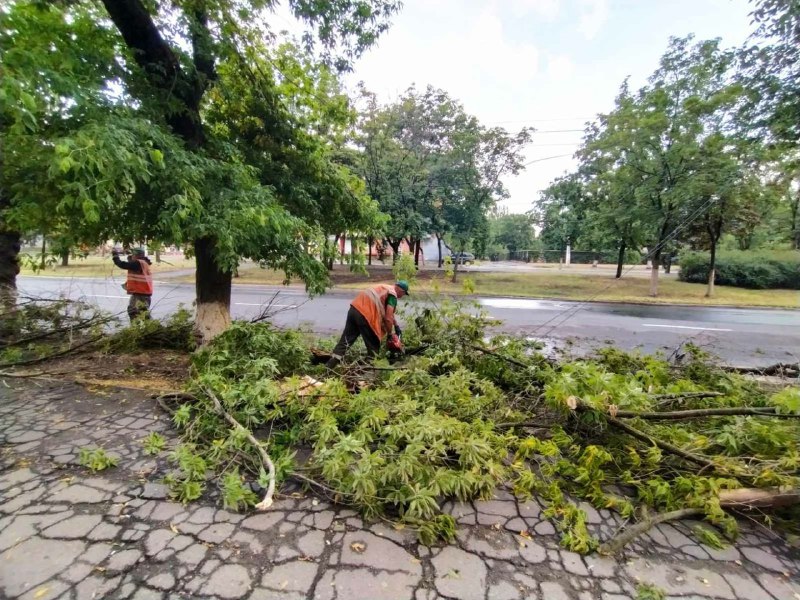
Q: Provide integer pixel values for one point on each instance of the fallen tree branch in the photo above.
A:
(792, 369)
(41, 359)
(687, 395)
(490, 352)
(267, 501)
(740, 499)
(666, 446)
(763, 411)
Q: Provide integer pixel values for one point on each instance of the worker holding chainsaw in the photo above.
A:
(139, 283)
(372, 316)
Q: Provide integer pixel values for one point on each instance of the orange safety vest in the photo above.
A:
(371, 303)
(140, 283)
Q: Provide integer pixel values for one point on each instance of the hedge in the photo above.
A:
(756, 270)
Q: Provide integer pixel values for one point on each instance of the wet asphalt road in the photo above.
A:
(737, 336)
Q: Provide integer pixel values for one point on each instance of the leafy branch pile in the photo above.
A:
(466, 413)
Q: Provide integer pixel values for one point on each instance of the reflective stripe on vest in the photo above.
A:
(140, 283)
(371, 303)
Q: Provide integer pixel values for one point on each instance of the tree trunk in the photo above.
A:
(370, 243)
(712, 269)
(621, 258)
(416, 252)
(158, 254)
(654, 275)
(395, 245)
(213, 289)
(43, 258)
(439, 244)
(9, 269)
(795, 208)
(65, 258)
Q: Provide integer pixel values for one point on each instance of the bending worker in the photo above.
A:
(371, 316)
(139, 283)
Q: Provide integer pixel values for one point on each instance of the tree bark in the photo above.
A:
(416, 252)
(65, 258)
(370, 243)
(439, 244)
(676, 415)
(621, 258)
(43, 257)
(395, 245)
(654, 276)
(213, 290)
(712, 269)
(9, 269)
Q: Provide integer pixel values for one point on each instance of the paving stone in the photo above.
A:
(77, 572)
(193, 555)
(155, 491)
(501, 508)
(763, 559)
(675, 538)
(146, 594)
(77, 494)
(459, 574)
(532, 552)
(573, 563)
(166, 511)
(686, 581)
(600, 566)
(504, 591)
(97, 553)
(491, 544)
(104, 531)
(157, 540)
(361, 584)
(780, 587)
(312, 543)
(545, 528)
(162, 581)
(403, 536)
(295, 576)
(123, 560)
(217, 533)
(592, 516)
(204, 515)
(229, 581)
(609, 585)
(73, 528)
(553, 591)
(18, 573)
(95, 587)
(746, 587)
(516, 525)
(377, 553)
(264, 521)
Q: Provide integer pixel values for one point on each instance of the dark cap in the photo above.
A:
(403, 285)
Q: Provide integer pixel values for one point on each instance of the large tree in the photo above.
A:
(156, 169)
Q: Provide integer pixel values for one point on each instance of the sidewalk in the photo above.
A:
(65, 533)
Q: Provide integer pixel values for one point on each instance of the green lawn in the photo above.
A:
(98, 266)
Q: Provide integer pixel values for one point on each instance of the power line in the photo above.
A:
(530, 162)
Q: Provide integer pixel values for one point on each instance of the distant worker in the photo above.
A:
(372, 316)
(139, 283)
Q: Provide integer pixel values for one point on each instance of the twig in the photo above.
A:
(763, 411)
(267, 501)
(666, 446)
(40, 359)
(776, 369)
(687, 395)
(513, 361)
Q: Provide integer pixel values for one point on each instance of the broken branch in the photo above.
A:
(267, 501)
(763, 411)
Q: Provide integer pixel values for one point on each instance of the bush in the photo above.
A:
(757, 270)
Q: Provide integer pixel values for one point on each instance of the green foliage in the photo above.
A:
(427, 432)
(787, 401)
(175, 333)
(154, 443)
(96, 459)
(757, 270)
(404, 268)
(648, 591)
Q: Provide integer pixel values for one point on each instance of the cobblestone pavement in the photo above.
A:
(67, 533)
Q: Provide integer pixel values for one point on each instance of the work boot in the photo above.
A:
(333, 361)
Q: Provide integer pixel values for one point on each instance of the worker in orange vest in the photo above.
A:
(372, 316)
(139, 283)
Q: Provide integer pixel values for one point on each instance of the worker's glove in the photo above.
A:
(397, 330)
(394, 344)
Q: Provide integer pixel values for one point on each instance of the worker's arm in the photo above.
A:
(127, 265)
(390, 322)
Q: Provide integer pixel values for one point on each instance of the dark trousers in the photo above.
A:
(139, 305)
(355, 326)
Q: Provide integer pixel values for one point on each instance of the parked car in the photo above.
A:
(463, 258)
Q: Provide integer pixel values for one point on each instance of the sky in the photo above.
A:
(548, 64)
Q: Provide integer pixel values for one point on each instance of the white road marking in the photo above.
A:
(102, 296)
(684, 327)
(266, 304)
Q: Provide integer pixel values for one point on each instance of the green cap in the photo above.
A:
(403, 285)
(138, 251)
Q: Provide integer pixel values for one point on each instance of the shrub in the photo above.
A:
(757, 270)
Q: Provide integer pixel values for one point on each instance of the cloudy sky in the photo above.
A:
(549, 64)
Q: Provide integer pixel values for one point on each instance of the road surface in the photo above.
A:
(737, 336)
